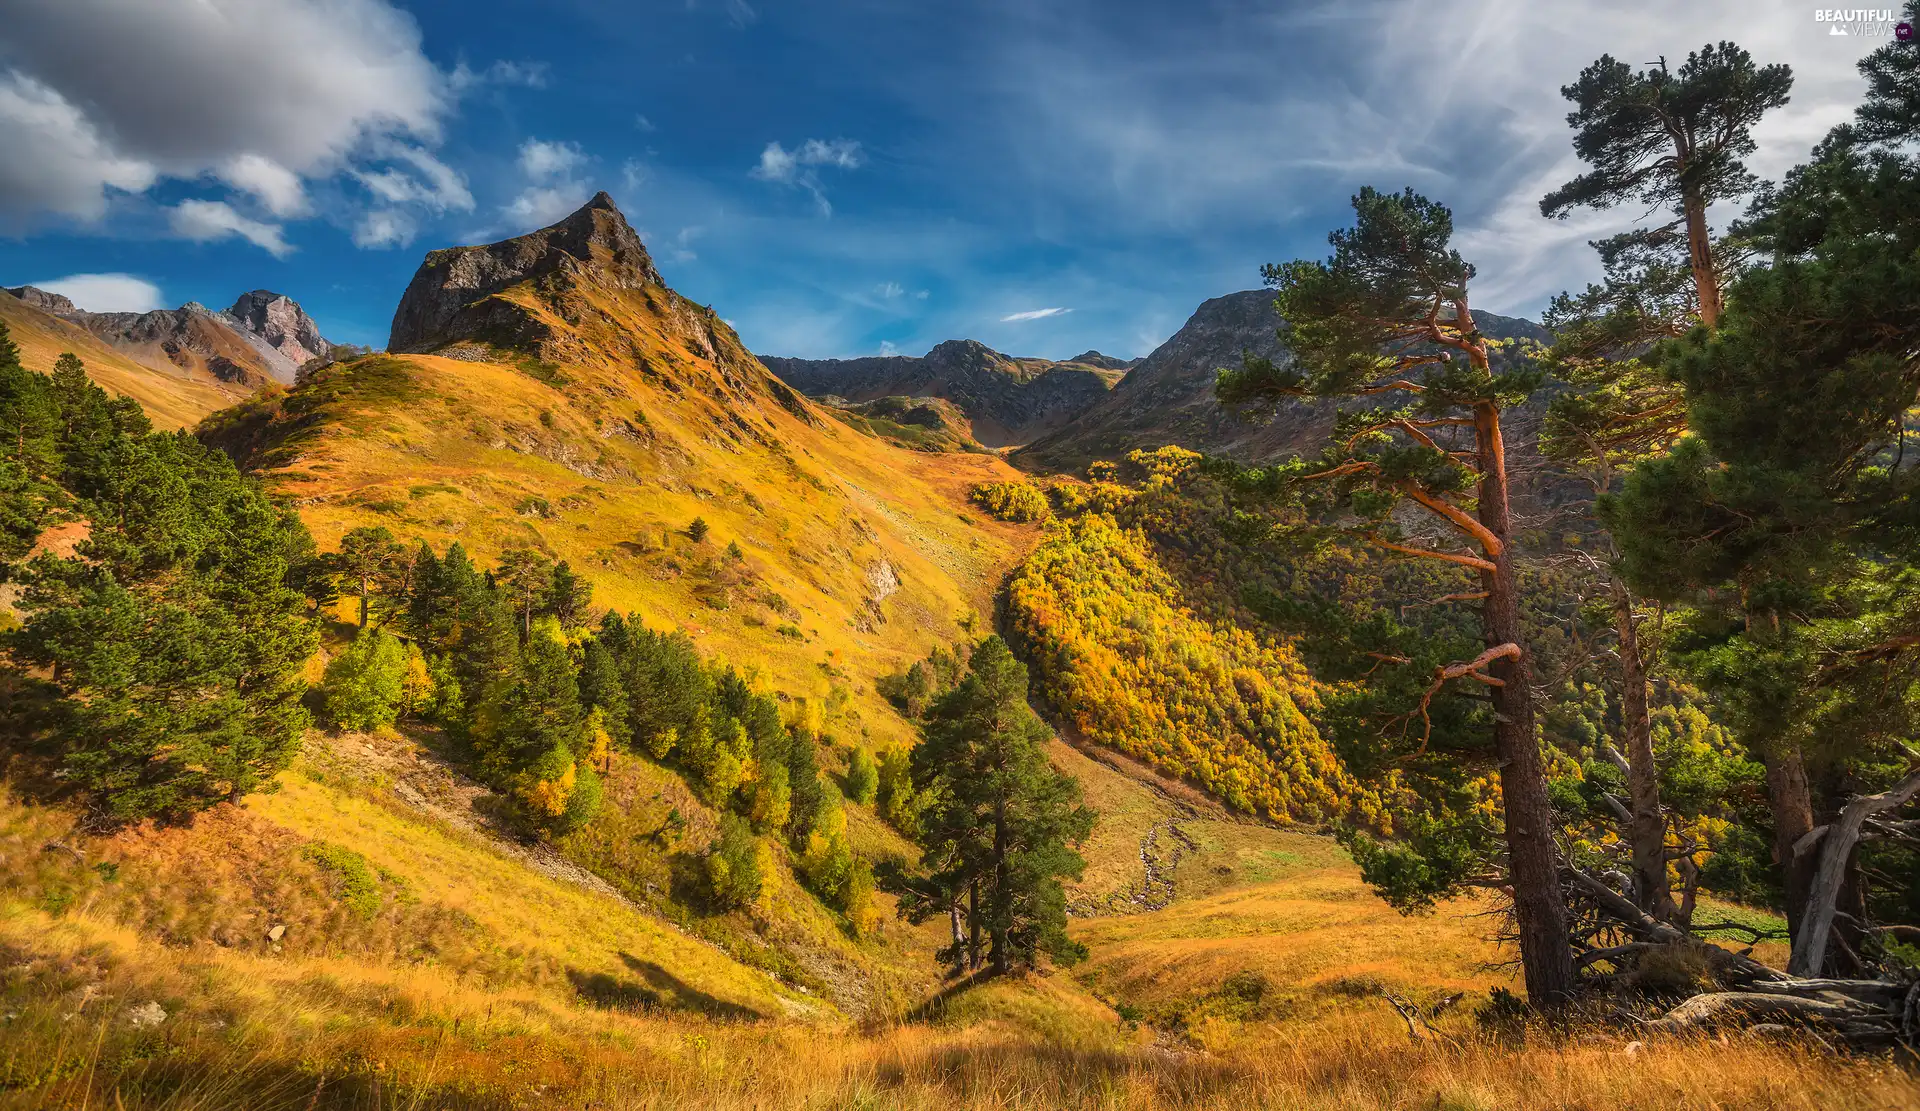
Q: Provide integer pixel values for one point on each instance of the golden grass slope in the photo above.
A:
(171, 400)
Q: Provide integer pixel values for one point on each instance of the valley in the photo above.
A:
(566, 707)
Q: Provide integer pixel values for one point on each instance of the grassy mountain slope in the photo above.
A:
(593, 414)
(172, 397)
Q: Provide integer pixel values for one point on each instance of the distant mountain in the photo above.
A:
(46, 325)
(265, 337)
(1167, 398)
(1007, 400)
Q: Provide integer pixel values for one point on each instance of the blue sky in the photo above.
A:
(837, 179)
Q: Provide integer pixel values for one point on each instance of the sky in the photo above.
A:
(836, 179)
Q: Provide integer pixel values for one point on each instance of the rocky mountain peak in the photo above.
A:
(450, 297)
(46, 302)
(1091, 357)
(282, 323)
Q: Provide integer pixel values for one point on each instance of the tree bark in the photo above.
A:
(1792, 805)
(1546, 955)
(973, 924)
(363, 601)
(1706, 283)
(1647, 832)
(1000, 907)
(1836, 852)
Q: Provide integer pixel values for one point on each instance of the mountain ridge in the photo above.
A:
(1008, 400)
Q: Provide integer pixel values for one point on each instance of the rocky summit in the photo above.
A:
(453, 296)
(284, 325)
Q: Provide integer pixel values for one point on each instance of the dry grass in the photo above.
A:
(243, 1032)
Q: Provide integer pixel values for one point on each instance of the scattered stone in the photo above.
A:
(277, 932)
(146, 1015)
(1634, 1049)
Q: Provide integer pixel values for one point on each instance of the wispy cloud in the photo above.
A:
(553, 188)
(206, 221)
(1032, 314)
(800, 166)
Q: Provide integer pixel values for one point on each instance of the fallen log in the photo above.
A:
(1722, 1007)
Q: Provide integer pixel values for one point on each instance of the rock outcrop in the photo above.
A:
(1007, 400)
(54, 303)
(453, 296)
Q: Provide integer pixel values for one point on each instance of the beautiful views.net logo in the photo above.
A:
(1862, 21)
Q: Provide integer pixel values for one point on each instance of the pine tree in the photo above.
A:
(569, 597)
(525, 578)
(601, 689)
(697, 531)
(1671, 139)
(1388, 315)
(1785, 517)
(1001, 821)
(367, 558)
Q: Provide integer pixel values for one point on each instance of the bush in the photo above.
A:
(863, 777)
(1020, 502)
(899, 802)
(697, 531)
(739, 866)
(349, 874)
(365, 685)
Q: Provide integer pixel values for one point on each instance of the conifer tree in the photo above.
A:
(1675, 140)
(1001, 821)
(1785, 518)
(1388, 315)
(367, 558)
(525, 578)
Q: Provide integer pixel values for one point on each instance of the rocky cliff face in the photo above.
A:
(46, 302)
(453, 296)
(264, 337)
(284, 325)
(1168, 397)
(1006, 400)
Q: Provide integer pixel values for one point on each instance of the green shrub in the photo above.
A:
(364, 686)
(863, 777)
(738, 865)
(349, 874)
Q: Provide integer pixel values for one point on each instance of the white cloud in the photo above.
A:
(276, 187)
(383, 227)
(543, 160)
(530, 75)
(887, 348)
(888, 290)
(538, 206)
(799, 167)
(264, 96)
(56, 159)
(1032, 314)
(644, 124)
(206, 221)
(106, 292)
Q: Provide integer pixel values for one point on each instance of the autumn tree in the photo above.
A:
(1387, 317)
(525, 578)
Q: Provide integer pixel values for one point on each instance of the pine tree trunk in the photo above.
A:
(973, 924)
(1648, 832)
(363, 601)
(1792, 806)
(1706, 284)
(959, 937)
(1546, 955)
(1002, 908)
